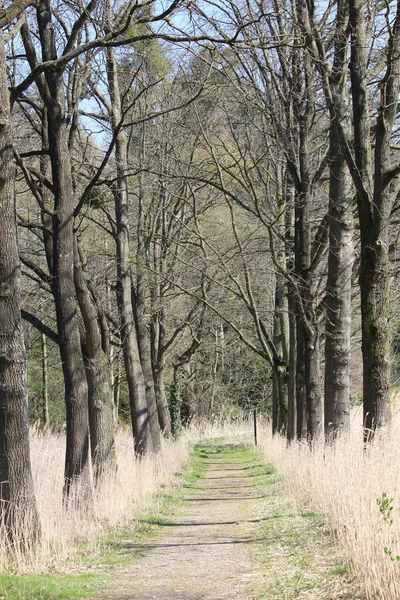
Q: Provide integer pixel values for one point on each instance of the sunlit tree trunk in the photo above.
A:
(98, 375)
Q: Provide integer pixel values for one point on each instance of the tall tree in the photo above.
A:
(130, 347)
(18, 507)
(341, 253)
(374, 166)
(51, 88)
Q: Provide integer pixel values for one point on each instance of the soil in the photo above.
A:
(203, 552)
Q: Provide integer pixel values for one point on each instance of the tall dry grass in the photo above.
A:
(120, 497)
(345, 482)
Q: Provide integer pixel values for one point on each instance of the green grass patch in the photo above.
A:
(49, 587)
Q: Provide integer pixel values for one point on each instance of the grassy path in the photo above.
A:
(231, 534)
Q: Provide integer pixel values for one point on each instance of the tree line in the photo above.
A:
(205, 191)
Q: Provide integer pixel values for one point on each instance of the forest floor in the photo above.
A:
(234, 535)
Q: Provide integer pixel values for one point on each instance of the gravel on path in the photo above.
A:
(204, 551)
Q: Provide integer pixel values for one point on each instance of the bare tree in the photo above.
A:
(18, 508)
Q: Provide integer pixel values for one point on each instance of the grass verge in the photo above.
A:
(297, 558)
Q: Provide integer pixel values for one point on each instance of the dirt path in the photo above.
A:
(236, 536)
(204, 552)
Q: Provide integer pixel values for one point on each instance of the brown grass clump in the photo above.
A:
(357, 491)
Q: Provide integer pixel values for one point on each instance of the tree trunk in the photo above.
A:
(315, 415)
(339, 288)
(190, 405)
(77, 449)
(281, 343)
(17, 499)
(214, 372)
(157, 341)
(301, 396)
(98, 375)
(292, 403)
(374, 287)
(164, 416)
(143, 335)
(341, 254)
(133, 367)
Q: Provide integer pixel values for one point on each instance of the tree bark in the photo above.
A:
(77, 449)
(315, 416)
(143, 334)
(292, 398)
(133, 367)
(17, 499)
(158, 340)
(341, 253)
(301, 405)
(45, 391)
(281, 343)
(98, 375)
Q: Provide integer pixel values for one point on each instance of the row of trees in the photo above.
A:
(189, 173)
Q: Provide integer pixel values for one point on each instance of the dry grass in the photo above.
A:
(120, 496)
(344, 482)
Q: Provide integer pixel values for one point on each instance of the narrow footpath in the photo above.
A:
(227, 541)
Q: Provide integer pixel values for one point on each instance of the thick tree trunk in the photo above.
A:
(377, 185)
(77, 449)
(133, 367)
(341, 253)
(374, 286)
(315, 414)
(338, 296)
(17, 499)
(98, 375)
